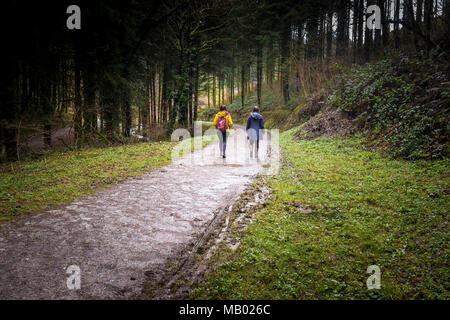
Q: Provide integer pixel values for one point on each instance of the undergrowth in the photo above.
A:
(401, 103)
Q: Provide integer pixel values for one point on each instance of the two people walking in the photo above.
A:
(223, 123)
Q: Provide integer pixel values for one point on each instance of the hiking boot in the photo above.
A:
(224, 156)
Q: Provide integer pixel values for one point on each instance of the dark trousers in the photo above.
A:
(252, 142)
(223, 135)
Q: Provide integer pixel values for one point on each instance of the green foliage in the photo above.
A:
(403, 103)
(277, 118)
(207, 114)
(335, 210)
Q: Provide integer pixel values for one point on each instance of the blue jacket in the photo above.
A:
(256, 122)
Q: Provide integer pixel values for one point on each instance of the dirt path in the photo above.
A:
(118, 234)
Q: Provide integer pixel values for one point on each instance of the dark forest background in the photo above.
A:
(148, 67)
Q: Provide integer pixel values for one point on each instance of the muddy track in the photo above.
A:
(180, 274)
(123, 237)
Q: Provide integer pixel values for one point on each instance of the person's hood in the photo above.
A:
(221, 113)
(256, 115)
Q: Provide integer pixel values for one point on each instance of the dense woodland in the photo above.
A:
(151, 66)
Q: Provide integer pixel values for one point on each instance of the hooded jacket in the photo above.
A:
(228, 119)
(255, 122)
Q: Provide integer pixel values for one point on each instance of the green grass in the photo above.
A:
(63, 176)
(335, 210)
(59, 177)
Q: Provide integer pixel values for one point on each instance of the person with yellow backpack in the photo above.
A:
(223, 123)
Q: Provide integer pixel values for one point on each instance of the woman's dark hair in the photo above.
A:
(223, 107)
(255, 109)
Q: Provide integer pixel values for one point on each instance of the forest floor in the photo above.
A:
(121, 235)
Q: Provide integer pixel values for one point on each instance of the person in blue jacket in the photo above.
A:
(255, 122)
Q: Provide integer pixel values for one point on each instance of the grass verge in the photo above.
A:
(59, 177)
(335, 210)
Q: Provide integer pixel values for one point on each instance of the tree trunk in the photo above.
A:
(384, 21)
(329, 33)
(341, 31)
(127, 120)
(232, 84)
(164, 93)
(446, 11)
(428, 15)
(208, 85)
(355, 29)
(285, 68)
(312, 44)
(270, 64)
(90, 121)
(219, 87)
(360, 24)
(396, 24)
(182, 93)
(259, 76)
(214, 91)
(78, 111)
(408, 19)
(154, 97)
(242, 84)
(190, 94)
(368, 38)
(46, 108)
(419, 11)
(378, 37)
(7, 111)
(196, 88)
